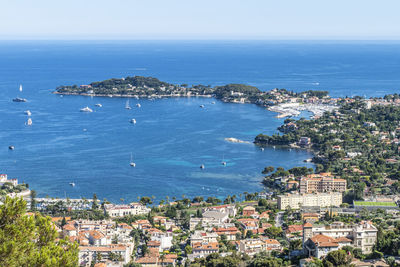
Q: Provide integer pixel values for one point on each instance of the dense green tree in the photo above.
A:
(273, 232)
(338, 258)
(31, 240)
(188, 250)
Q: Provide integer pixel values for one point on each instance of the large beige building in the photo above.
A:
(296, 201)
(320, 240)
(321, 183)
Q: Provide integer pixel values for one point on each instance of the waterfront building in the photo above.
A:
(4, 179)
(304, 141)
(295, 201)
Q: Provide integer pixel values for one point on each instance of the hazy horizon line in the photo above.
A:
(205, 39)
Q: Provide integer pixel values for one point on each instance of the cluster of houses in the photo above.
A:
(100, 240)
(108, 243)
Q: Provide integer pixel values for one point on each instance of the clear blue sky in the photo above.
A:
(199, 19)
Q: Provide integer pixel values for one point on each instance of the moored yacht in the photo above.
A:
(18, 99)
(86, 109)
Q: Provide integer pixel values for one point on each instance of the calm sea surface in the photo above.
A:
(172, 137)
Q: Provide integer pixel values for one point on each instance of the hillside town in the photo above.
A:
(298, 228)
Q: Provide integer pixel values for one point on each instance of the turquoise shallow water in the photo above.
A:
(172, 137)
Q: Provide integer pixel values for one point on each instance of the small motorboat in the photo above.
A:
(98, 105)
(202, 106)
(11, 147)
(28, 112)
(72, 184)
(202, 166)
(133, 121)
(18, 99)
(138, 105)
(86, 109)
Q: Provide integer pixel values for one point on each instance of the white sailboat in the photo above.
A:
(133, 164)
(20, 87)
(127, 106)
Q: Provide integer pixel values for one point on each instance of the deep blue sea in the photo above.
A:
(172, 137)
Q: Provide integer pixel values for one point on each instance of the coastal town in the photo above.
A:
(341, 210)
(302, 227)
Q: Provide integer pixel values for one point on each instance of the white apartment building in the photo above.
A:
(165, 239)
(123, 210)
(296, 201)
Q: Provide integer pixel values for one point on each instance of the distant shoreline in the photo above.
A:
(131, 96)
